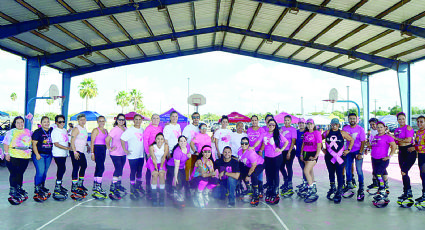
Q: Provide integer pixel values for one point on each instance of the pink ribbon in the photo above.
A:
(333, 143)
(336, 156)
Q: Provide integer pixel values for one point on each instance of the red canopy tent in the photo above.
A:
(236, 117)
(130, 116)
(280, 118)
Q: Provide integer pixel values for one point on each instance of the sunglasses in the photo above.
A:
(204, 128)
(121, 119)
(244, 143)
(196, 117)
(271, 125)
(61, 122)
(207, 151)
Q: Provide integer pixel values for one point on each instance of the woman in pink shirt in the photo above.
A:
(79, 137)
(118, 156)
(98, 155)
(254, 134)
(312, 145)
(274, 143)
(148, 138)
(380, 145)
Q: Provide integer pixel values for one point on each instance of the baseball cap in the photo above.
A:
(335, 121)
(310, 121)
(302, 120)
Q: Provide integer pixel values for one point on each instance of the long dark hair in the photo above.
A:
(276, 134)
(14, 121)
(116, 120)
(177, 145)
(202, 150)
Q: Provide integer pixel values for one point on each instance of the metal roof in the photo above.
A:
(346, 37)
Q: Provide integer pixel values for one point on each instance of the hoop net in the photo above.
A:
(61, 99)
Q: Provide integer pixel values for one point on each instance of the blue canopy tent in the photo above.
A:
(90, 115)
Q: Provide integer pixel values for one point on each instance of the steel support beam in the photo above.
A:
(25, 26)
(404, 86)
(364, 81)
(52, 58)
(414, 30)
(32, 77)
(66, 89)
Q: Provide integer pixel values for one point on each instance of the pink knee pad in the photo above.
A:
(202, 184)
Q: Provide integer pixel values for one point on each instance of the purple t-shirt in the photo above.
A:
(255, 136)
(380, 146)
(270, 146)
(289, 133)
(403, 132)
(250, 157)
(179, 155)
(311, 140)
(358, 134)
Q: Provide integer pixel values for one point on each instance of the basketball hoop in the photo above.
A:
(61, 99)
(196, 100)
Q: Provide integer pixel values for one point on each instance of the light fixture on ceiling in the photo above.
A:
(88, 54)
(351, 57)
(405, 34)
(294, 10)
(162, 8)
(43, 28)
(269, 41)
(136, 6)
(174, 39)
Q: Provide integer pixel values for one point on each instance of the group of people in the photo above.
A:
(229, 163)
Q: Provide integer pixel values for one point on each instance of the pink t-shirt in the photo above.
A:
(254, 136)
(179, 155)
(149, 136)
(270, 146)
(311, 140)
(289, 133)
(380, 146)
(116, 133)
(250, 157)
(403, 132)
(358, 134)
(200, 140)
(100, 138)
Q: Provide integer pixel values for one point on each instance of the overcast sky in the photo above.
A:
(229, 82)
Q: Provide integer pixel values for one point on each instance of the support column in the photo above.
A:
(404, 86)
(32, 77)
(365, 99)
(66, 87)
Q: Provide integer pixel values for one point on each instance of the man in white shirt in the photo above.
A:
(236, 138)
(189, 132)
(222, 136)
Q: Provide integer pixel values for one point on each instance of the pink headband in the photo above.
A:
(206, 148)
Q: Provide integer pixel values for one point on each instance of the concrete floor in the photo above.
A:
(291, 213)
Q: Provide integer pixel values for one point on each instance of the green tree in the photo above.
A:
(394, 110)
(88, 90)
(339, 114)
(210, 117)
(123, 99)
(50, 103)
(13, 96)
(416, 110)
(136, 99)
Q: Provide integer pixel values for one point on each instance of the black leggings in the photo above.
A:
(406, 160)
(181, 177)
(61, 164)
(302, 165)
(17, 167)
(421, 164)
(286, 167)
(254, 176)
(380, 166)
(335, 168)
(148, 176)
(119, 162)
(272, 166)
(99, 158)
(136, 167)
(78, 166)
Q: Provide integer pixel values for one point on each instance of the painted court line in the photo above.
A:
(147, 207)
(52, 220)
(277, 217)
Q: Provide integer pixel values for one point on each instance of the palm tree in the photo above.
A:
(87, 90)
(136, 98)
(123, 99)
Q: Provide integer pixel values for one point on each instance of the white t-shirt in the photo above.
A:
(61, 137)
(189, 132)
(134, 139)
(224, 137)
(159, 152)
(171, 134)
(235, 142)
